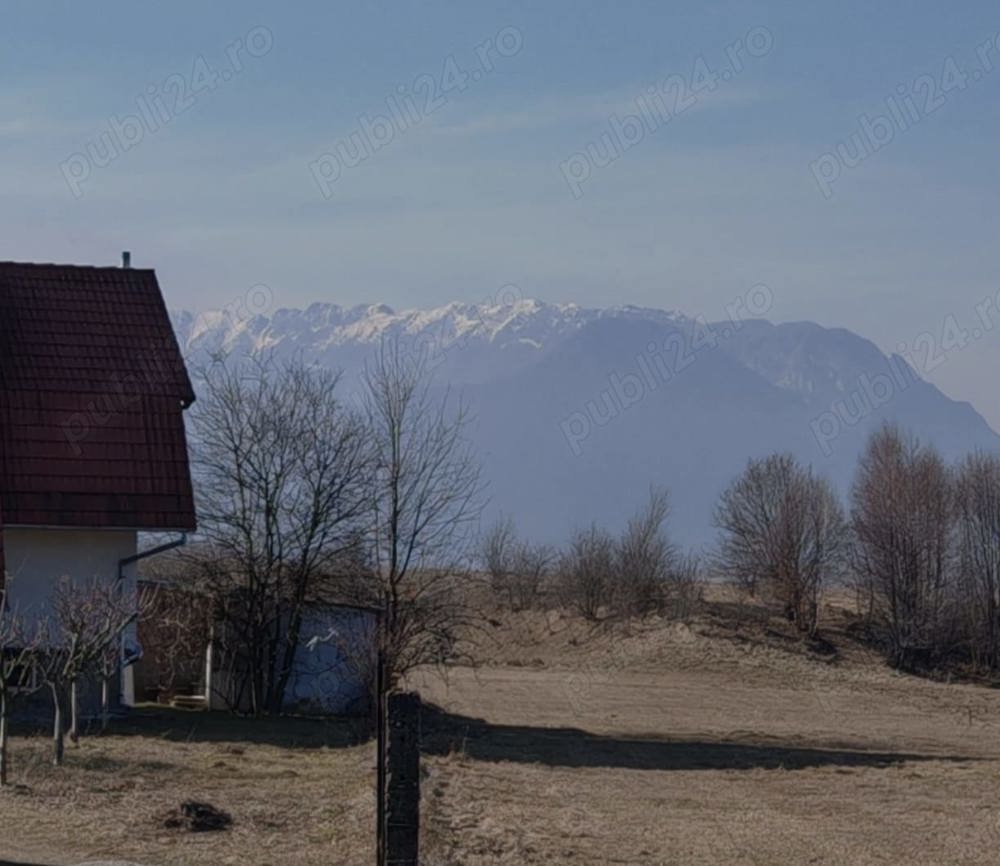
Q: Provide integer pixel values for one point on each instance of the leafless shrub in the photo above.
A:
(977, 514)
(645, 561)
(598, 575)
(586, 573)
(531, 567)
(495, 550)
(902, 517)
(783, 532)
(684, 588)
(518, 570)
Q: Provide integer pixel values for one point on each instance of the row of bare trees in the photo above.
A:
(519, 571)
(977, 544)
(307, 497)
(920, 545)
(598, 575)
(926, 557)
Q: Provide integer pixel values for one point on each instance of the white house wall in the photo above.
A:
(37, 559)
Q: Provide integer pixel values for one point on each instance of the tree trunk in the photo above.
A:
(209, 664)
(105, 702)
(3, 738)
(74, 713)
(288, 661)
(58, 741)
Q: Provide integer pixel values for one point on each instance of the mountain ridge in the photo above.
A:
(580, 409)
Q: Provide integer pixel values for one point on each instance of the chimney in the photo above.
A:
(126, 259)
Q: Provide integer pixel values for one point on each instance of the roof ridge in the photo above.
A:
(75, 267)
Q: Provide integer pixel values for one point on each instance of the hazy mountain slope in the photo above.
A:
(578, 411)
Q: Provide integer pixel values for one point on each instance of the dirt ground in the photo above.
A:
(723, 742)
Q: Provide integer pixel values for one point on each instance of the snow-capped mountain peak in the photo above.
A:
(579, 409)
(521, 321)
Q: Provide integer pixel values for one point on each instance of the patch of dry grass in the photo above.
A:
(707, 768)
(299, 791)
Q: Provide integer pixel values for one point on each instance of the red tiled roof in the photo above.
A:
(92, 393)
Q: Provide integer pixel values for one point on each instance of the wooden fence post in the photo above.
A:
(402, 808)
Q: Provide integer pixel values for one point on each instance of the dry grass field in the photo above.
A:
(721, 742)
(299, 792)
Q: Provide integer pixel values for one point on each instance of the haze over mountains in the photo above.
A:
(577, 411)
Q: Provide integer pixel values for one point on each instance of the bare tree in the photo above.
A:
(645, 559)
(20, 644)
(530, 568)
(496, 551)
(518, 570)
(685, 587)
(88, 622)
(902, 517)
(283, 472)
(977, 512)
(123, 607)
(783, 530)
(425, 501)
(586, 573)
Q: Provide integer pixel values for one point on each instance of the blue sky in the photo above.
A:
(471, 192)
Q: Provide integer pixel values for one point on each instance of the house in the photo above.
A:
(92, 445)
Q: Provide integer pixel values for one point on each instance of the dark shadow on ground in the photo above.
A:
(444, 733)
(198, 726)
(16, 863)
(289, 732)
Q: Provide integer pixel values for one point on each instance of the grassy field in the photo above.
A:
(726, 741)
(299, 791)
